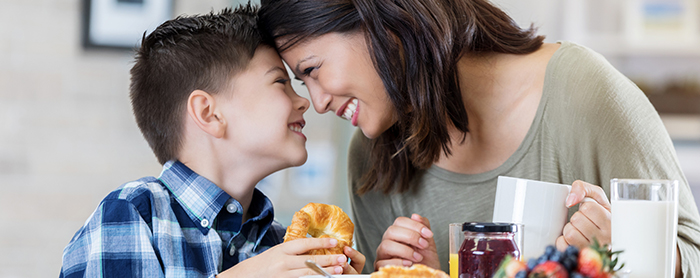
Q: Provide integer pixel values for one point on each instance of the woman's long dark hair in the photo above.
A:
(415, 46)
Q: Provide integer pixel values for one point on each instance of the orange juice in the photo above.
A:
(454, 265)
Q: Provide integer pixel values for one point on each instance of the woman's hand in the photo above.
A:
(592, 220)
(284, 260)
(408, 241)
(357, 261)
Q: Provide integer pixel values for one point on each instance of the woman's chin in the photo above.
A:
(369, 135)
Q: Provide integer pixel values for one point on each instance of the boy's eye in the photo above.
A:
(282, 80)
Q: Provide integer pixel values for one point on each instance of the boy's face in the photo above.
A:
(264, 113)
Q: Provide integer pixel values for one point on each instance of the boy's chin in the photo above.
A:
(301, 160)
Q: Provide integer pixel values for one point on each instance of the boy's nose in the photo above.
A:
(302, 104)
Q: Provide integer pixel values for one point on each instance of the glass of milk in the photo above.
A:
(644, 225)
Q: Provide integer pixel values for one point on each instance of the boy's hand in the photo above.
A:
(357, 261)
(408, 241)
(285, 260)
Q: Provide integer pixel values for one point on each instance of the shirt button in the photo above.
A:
(204, 223)
(231, 208)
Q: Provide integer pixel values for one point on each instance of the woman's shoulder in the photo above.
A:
(579, 63)
(579, 77)
(586, 96)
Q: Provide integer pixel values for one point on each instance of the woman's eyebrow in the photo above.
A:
(297, 69)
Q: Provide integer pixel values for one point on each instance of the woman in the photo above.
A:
(450, 94)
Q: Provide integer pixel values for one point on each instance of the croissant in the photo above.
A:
(322, 221)
(415, 271)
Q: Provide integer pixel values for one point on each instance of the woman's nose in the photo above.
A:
(321, 100)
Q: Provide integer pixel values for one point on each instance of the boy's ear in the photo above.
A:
(201, 107)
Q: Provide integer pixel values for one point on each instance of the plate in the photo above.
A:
(337, 275)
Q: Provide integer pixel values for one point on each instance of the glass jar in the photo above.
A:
(484, 247)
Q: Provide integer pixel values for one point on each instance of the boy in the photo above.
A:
(214, 102)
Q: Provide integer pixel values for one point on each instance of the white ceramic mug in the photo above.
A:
(539, 206)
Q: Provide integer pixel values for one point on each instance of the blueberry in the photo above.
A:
(576, 275)
(521, 274)
(549, 250)
(542, 259)
(569, 263)
(556, 256)
(531, 263)
(571, 251)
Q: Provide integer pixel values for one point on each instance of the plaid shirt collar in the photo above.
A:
(203, 200)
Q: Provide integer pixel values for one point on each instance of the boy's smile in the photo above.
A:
(297, 126)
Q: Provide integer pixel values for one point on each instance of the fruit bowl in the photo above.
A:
(591, 261)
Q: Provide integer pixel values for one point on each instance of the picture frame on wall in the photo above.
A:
(121, 24)
(662, 22)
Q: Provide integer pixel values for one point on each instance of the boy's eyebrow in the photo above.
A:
(275, 68)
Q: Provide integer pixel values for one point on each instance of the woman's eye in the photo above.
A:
(307, 71)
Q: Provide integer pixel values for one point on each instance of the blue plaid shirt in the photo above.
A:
(178, 225)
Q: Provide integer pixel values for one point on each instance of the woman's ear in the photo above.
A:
(201, 108)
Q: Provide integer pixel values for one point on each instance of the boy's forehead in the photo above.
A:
(266, 61)
(275, 69)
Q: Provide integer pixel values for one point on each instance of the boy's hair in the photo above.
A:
(182, 55)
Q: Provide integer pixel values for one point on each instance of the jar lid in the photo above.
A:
(489, 227)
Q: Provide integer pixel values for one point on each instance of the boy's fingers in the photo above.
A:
(333, 270)
(303, 245)
(326, 260)
(357, 259)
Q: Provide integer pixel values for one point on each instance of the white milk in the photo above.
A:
(645, 231)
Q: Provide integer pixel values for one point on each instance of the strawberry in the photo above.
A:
(509, 267)
(597, 261)
(549, 269)
(590, 263)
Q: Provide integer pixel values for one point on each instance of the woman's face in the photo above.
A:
(338, 71)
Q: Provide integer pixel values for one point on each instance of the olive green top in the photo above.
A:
(592, 124)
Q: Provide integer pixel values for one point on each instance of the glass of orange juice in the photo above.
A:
(456, 238)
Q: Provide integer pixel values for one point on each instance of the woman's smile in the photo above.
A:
(349, 111)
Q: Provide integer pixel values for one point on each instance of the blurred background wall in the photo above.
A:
(67, 135)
